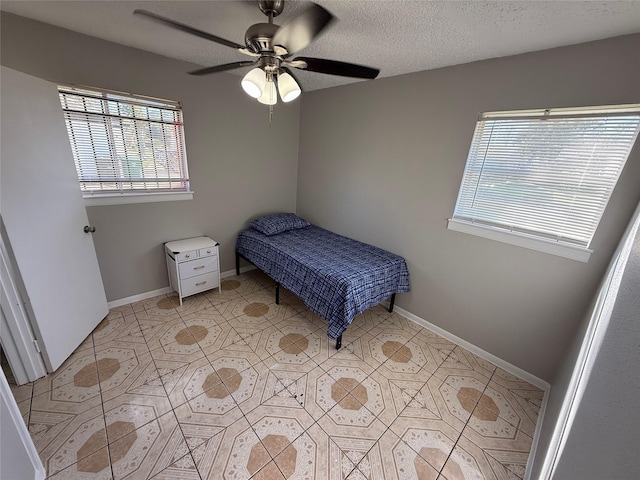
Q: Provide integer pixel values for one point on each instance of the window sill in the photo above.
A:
(126, 198)
(521, 240)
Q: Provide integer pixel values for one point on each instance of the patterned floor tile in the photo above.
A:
(182, 469)
(79, 365)
(278, 427)
(461, 362)
(176, 352)
(499, 401)
(231, 385)
(192, 380)
(206, 415)
(234, 308)
(123, 310)
(175, 336)
(128, 412)
(399, 322)
(245, 382)
(158, 306)
(401, 361)
(291, 348)
(393, 459)
(60, 444)
(350, 419)
(503, 446)
(207, 332)
(235, 454)
(528, 396)
(72, 398)
(95, 466)
(431, 439)
(148, 450)
(453, 404)
(124, 371)
(307, 457)
(191, 304)
(293, 301)
(470, 461)
(346, 453)
(119, 329)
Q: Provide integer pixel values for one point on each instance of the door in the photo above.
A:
(44, 215)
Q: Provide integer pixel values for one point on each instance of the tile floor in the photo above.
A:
(230, 385)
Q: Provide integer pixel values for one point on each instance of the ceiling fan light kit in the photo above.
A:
(254, 82)
(288, 87)
(272, 46)
(269, 95)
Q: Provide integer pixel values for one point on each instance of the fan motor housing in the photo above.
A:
(258, 37)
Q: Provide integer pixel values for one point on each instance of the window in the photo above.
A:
(542, 178)
(125, 147)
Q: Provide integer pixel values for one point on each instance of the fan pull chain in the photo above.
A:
(270, 115)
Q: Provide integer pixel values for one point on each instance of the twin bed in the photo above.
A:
(335, 276)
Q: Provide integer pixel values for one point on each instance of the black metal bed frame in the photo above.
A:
(339, 339)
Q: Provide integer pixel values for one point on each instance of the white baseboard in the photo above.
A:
(162, 291)
(532, 379)
(137, 298)
(232, 273)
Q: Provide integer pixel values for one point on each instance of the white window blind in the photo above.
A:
(546, 174)
(125, 143)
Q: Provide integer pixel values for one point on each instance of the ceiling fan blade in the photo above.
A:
(188, 29)
(300, 31)
(223, 68)
(333, 67)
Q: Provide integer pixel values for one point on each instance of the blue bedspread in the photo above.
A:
(336, 277)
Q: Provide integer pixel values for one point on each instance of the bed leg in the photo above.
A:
(277, 294)
(338, 342)
(391, 302)
(237, 263)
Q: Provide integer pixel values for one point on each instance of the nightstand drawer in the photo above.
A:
(184, 256)
(199, 283)
(199, 266)
(206, 252)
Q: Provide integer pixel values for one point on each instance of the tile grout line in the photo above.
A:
(104, 413)
(184, 438)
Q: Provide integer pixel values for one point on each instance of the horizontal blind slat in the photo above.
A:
(549, 177)
(122, 142)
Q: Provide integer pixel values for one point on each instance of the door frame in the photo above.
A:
(18, 340)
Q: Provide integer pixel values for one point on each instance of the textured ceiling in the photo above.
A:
(395, 36)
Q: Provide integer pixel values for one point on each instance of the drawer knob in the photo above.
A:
(187, 256)
(200, 283)
(208, 251)
(198, 268)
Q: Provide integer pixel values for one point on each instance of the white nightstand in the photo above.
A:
(193, 265)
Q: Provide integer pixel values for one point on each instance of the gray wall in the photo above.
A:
(382, 162)
(605, 434)
(239, 165)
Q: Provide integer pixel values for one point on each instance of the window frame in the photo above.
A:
(499, 231)
(172, 144)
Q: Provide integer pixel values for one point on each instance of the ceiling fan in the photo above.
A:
(272, 46)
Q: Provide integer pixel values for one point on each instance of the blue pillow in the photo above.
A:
(278, 223)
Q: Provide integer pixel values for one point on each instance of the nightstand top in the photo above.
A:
(190, 244)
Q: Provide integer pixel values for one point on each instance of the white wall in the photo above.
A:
(604, 436)
(18, 457)
(382, 162)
